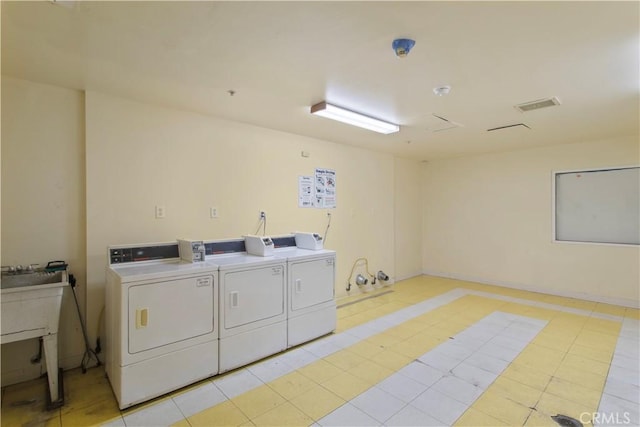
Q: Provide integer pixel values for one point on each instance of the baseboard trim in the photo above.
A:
(625, 302)
(408, 276)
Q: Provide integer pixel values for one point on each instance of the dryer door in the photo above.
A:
(253, 295)
(162, 313)
(311, 282)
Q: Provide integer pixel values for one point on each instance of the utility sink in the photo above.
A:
(11, 281)
(30, 309)
(31, 304)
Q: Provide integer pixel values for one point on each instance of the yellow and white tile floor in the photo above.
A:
(432, 352)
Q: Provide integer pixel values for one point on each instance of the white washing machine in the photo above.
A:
(311, 306)
(161, 321)
(253, 316)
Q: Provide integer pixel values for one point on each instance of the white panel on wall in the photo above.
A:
(598, 206)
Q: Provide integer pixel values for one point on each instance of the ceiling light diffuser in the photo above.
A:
(352, 118)
(540, 103)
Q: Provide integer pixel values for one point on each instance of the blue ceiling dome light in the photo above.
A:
(402, 47)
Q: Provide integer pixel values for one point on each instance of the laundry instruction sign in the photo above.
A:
(317, 191)
(325, 188)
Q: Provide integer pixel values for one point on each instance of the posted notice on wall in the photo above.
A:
(325, 184)
(305, 192)
(317, 191)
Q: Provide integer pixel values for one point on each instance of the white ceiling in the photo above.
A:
(282, 57)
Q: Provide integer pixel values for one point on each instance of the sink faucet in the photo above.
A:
(18, 269)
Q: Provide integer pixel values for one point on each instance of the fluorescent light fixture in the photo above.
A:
(350, 117)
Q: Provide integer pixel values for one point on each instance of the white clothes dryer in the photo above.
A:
(311, 306)
(161, 321)
(252, 294)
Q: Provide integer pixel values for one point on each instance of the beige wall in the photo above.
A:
(43, 203)
(140, 156)
(488, 218)
(408, 218)
(67, 193)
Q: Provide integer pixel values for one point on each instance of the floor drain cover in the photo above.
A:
(566, 421)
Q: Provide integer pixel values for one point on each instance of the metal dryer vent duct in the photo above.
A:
(535, 105)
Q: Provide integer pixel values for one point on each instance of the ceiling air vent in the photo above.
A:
(535, 105)
(516, 126)
(437, 123)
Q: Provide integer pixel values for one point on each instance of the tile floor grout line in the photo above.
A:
(448, 297)
(348, 402)
(549, 306)
(449, 373)
(346, 304)
(454, 292)
(615, 364)
(602, 408)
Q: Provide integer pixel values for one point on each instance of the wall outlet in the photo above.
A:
(213, 212)
(160, 212)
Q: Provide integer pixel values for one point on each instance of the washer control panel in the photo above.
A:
(259, 245)
(119, 255)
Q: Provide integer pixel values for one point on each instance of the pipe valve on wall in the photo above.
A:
(362, 279)
(382, 276)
